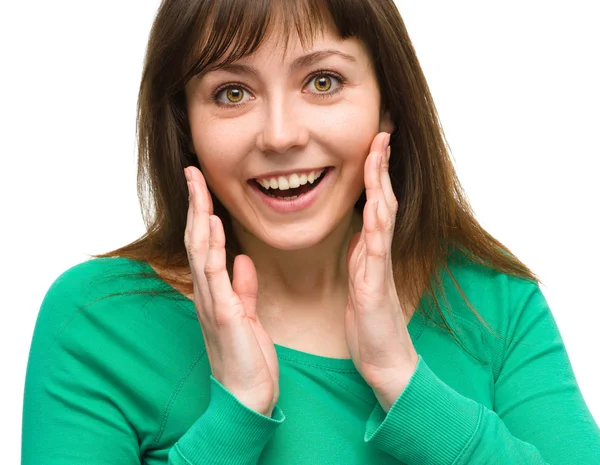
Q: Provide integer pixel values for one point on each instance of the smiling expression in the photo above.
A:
(265, 125)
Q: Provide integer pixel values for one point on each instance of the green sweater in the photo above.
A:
(126, 380)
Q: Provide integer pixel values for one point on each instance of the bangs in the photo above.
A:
(239, 27)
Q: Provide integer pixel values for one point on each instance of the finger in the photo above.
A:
(190, 214)
(373, 175)
(387, 216)
(245, 283)
(201, 207)
(386, 184)
(196, 236)
(378, 187)
(376, 248)
(197, 174)
(215, 269)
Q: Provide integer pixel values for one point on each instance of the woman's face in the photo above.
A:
(280, 121)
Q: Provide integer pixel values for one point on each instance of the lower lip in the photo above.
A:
(297, 204)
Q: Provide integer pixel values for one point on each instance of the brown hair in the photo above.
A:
(435, 223)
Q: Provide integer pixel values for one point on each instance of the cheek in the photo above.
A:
(218, 154)
(220, 177)
(353, 128)
(216, 141)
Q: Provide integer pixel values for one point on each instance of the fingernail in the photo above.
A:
(187, 174)
(386, 142)
(379, 158)
(190, 189)
(389, 151)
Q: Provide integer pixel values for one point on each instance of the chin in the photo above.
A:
(299, 240)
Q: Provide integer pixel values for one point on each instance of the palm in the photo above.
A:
(268, 350)
(245, 287)
(357, 292)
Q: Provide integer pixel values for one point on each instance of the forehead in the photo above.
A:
(224, 37)
(298, 57)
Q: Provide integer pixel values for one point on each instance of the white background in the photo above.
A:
(515, 83)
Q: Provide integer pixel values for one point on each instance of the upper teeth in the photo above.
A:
(293, 180)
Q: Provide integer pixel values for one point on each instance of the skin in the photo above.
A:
(315, 256)
(281, 123)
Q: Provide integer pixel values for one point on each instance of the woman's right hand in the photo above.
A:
(241, 354)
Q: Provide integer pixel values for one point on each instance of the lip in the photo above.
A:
(275, 174)
(298, 204)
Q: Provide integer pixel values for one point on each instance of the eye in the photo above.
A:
(323, 82)
(234, 93)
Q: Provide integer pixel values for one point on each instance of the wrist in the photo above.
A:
(388, 395)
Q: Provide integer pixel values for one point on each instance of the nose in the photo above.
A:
(284, 126)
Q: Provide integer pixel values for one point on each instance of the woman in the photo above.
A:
(313, 286)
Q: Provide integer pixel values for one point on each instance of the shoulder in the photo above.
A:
(100, 340)
(507, 305)
(96, 276)
(115, 309)
(86, 283)
(103, 296)
(497, 296)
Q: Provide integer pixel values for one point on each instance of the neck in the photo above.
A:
(310, 278)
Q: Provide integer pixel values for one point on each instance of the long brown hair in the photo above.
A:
(435, 223)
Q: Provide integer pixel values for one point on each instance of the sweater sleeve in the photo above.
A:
(81, 401)
(227, 433)
(539, 415)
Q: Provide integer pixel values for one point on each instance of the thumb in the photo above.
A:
(245, 283)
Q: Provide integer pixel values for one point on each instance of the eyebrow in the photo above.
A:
(299, 63)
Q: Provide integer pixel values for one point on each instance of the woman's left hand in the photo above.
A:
(376, 329)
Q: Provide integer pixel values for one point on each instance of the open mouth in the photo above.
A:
(291, 193)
